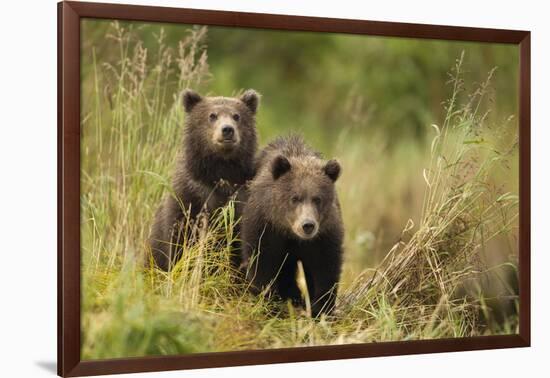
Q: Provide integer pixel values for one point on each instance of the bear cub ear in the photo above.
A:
(190, 99)
(280, 166)
(332, 169)
(251, 99)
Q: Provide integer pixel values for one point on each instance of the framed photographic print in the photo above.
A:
(240, 188)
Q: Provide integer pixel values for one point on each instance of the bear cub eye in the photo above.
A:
(213, 117)
(295, 199)
(317, 200)
(236, 117)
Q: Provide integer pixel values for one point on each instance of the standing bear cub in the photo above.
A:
(292, 215)
(219, 145)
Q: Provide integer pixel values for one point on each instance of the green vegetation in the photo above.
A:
(428, 201)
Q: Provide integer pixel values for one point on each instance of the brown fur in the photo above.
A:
(211, 170)
(294, 186)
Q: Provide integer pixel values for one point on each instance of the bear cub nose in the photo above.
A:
(228, 132)
(308, 227)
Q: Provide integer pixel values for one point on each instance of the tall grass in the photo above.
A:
(426, 279)
(429, 285)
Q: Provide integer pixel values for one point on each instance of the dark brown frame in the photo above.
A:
(69, 15)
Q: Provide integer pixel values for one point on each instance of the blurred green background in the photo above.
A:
(320, 83)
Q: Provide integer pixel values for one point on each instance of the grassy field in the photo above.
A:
(430, 247)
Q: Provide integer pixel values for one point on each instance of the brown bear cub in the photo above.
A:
(219, 145)
(292, 215)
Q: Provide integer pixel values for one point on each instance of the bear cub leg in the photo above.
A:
(286, 284)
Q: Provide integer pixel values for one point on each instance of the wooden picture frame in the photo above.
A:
(69, 273)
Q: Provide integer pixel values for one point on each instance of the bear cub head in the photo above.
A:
(304, 192)
(224, 126)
